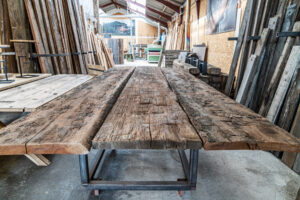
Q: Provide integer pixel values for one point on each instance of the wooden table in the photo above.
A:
(142, 108)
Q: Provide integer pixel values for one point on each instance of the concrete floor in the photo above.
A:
(222, 175)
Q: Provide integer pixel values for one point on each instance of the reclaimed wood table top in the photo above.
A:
(27, 97)
(142, 108)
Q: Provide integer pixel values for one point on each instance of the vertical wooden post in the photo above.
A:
(96, 15)
(187, 26)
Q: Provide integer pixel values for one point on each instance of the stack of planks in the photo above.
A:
(103, 55)
(268, 68)
(175, 38)
(59, 29)
(117, 47)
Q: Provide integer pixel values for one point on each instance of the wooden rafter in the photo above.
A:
(170, 5)
(163, 23)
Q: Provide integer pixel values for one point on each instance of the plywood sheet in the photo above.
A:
(21, 81)
(28, 97)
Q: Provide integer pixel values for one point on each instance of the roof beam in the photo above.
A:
(168, 17)
(108, 4)
(163, 23)
(170, 5)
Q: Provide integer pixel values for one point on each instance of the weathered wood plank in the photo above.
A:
(27, 98)
(44, 62)
(147, 116)
(223, 123)
(252, 68)
(67, 124)
(270, 91)
(289, 158)
(237, 51)
(19, 23)
(292, 65)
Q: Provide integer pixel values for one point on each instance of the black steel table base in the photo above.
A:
(189, 183)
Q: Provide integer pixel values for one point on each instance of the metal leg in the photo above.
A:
(190, 170)
(84, 169)
(193, 167)
(184, 162)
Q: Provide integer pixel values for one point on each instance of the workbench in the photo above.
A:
(142, 108)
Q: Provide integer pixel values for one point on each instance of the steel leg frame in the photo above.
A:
(189, 168)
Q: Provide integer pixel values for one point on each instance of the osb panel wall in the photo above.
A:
(220, 50)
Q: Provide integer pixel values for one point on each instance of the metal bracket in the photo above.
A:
(255, 38)
(288, 34)
(232, 38)
(5, 72)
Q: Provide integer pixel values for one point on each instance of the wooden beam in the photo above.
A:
(170, 5)
(106, 5)
(163, 23)
(168, 17)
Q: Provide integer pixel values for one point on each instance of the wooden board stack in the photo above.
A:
(103, 56)
(175, 38)
(268, 69)
(59, 27)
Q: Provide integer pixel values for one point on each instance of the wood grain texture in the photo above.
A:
(222, 123)
(147, 116)
(28, 97)
(67, 124)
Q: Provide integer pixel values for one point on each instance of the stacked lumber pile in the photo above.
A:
(214, 77)
(175, 38)
(268, 69)
(170, 56)
(103, 55)
(117, 47)
(57, 28)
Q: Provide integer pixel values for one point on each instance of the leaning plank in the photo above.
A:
(147, 116)
(222, 123)
(247, 79)
(270, 91)
(289, 158)
(67, 124)
(44, 62)
(39, 160)
(237, 51)
(292, 64)
(251, 68)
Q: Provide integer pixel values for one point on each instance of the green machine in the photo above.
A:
(153, 53)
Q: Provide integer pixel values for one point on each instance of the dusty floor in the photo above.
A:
(222, 175)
